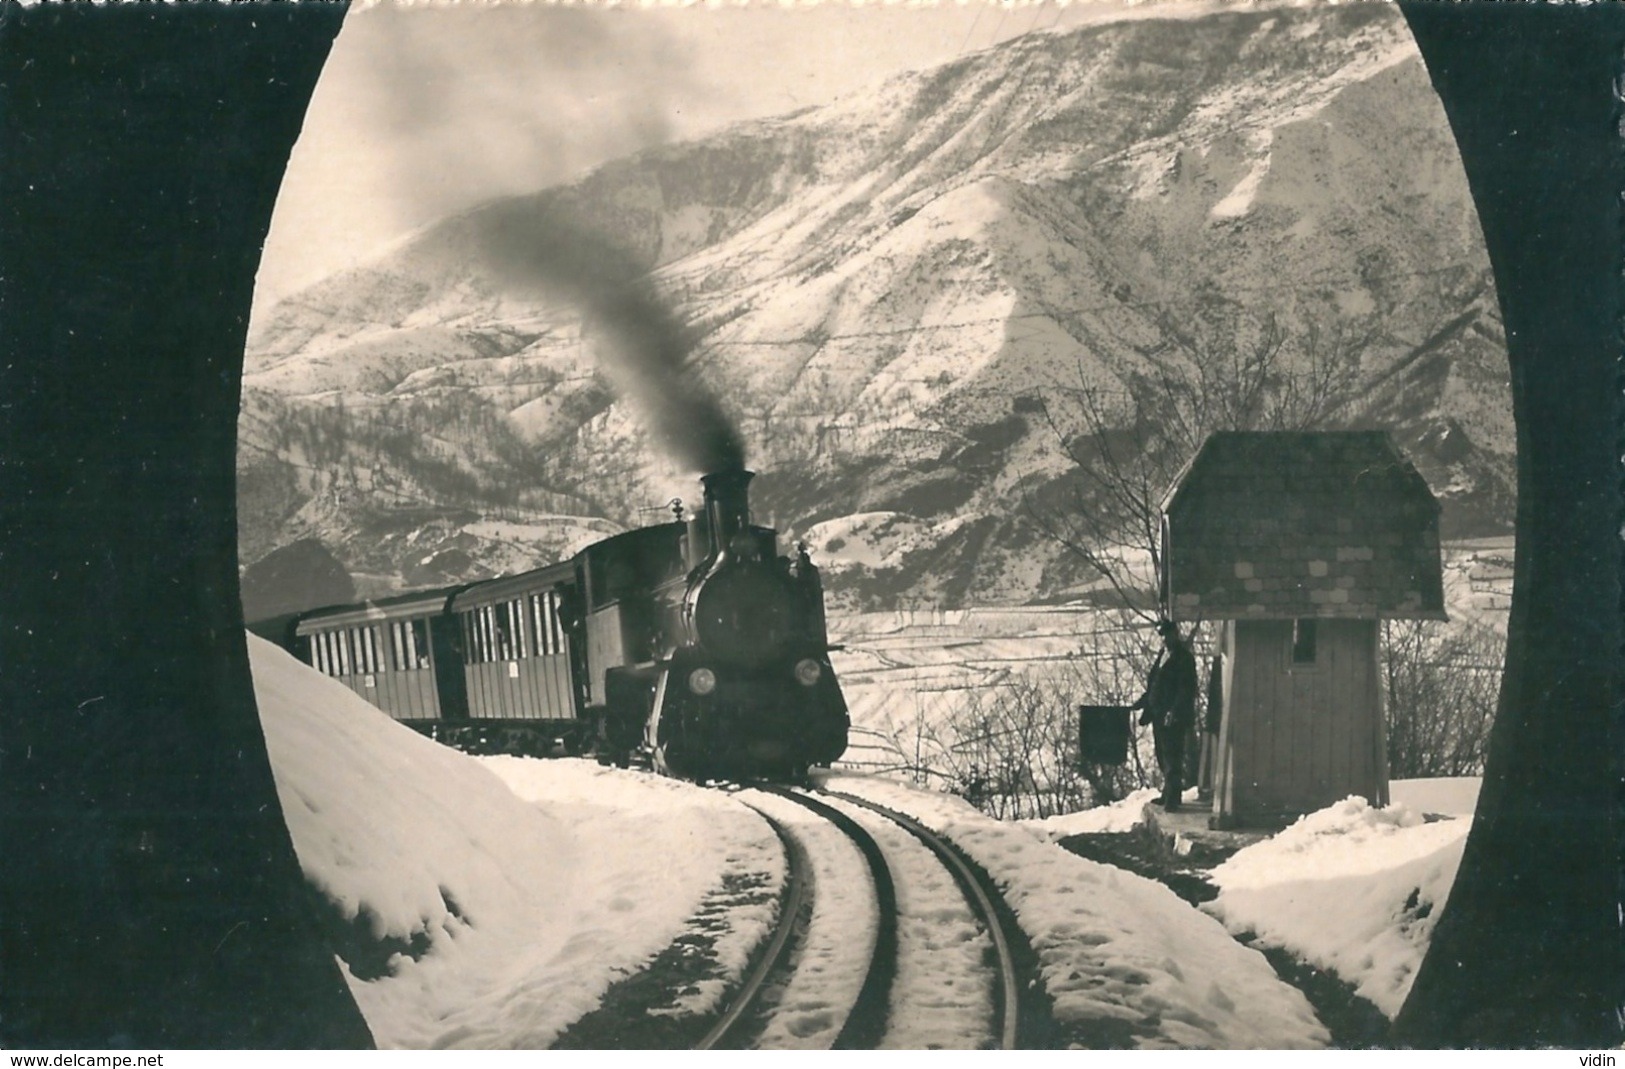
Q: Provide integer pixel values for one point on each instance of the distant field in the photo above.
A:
(905, 671)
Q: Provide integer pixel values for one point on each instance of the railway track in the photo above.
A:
(729, 1030)
(948, 937)
(998, 923)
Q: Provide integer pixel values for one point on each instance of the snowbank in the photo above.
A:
(496, 922)
(654, 853)
(1124, 960)
(1350, 889)
(1122, 816)
(491, 903)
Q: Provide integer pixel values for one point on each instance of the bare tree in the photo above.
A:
(1247, 373)
(1012, 749)
(1226, 369)
(1440, 687)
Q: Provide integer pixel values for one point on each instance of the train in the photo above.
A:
(693, 645)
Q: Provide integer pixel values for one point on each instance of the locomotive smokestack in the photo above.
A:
(727, 504)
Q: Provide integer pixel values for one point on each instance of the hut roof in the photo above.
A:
(1272, 525)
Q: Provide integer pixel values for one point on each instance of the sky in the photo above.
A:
(423, 111)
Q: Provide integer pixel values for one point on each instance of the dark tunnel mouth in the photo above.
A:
(1564, 602)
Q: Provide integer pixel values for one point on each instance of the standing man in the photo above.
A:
(1169, 702)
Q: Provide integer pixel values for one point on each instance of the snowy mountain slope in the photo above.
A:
(888, 293)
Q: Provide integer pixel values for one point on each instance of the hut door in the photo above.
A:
(1224, 759)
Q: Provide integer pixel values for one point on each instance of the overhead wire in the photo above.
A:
(1050, 313)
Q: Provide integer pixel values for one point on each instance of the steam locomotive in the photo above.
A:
(694, 645)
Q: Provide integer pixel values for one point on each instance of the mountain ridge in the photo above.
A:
(901, 297)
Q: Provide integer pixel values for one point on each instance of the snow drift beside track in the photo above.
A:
(508, 917)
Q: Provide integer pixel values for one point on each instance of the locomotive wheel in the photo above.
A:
(671, 758)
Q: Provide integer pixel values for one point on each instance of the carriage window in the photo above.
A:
(499, 632)
(514, 613)
(403, 645)
(544, 623)
(1303, 641)
(417, 649)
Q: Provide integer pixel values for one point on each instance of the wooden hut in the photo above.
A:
(1300, 543)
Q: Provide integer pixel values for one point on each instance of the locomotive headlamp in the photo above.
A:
(702, 681)
(808, 671)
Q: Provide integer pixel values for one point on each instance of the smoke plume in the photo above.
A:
(534, 244)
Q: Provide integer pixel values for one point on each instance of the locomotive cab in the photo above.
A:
(633, 584)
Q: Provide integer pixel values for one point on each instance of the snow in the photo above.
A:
(493, 902)
(1454, 796)
(866, 539)
(1351, 889)
(835, 952)
(942, 997)
(1122, 957)
(571, 533)
(395, 828)
(1239, 201)
(1121, 816)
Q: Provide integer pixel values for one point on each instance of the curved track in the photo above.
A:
(867, 1021)
(867, 1018)
(980, 898)
(798, 892)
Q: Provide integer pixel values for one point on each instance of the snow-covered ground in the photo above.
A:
(530, 886)
(502, 897)
(1350, 889)
(1122, 957)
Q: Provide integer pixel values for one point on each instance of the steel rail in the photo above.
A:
(797, 892)
(866, 1023)
(1008, 1004)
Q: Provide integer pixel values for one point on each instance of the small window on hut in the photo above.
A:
(1303, 641)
